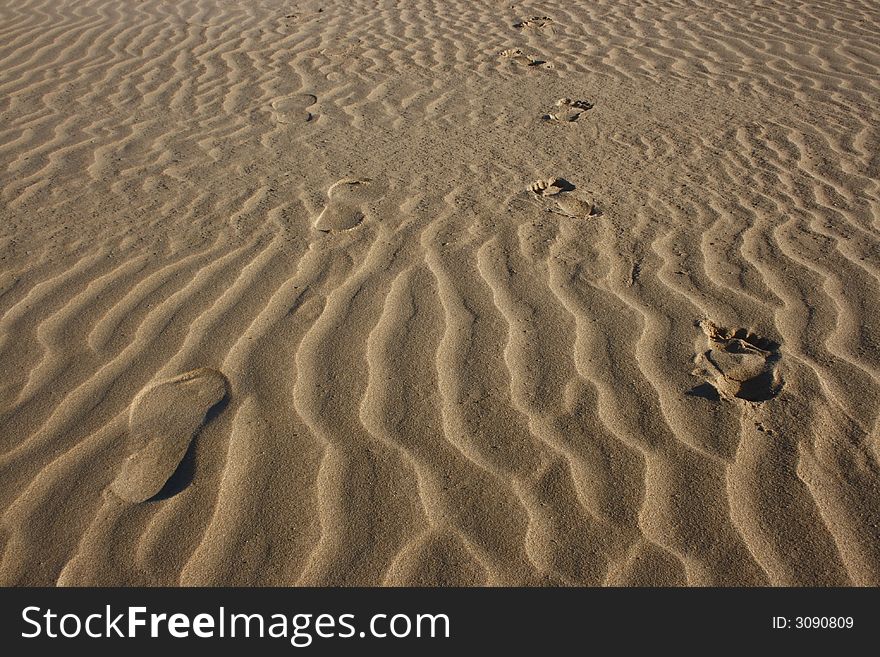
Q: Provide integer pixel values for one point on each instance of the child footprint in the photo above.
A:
(347, 204)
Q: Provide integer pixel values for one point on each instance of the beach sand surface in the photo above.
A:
(411, 292)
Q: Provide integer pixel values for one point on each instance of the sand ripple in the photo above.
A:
(431, 375)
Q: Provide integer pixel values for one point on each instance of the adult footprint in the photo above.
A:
(566, 201)
(569, 110)
(347, 205)
(576, 206)
(293, 109)
(164, 418)
(550, 186)
(739, 364)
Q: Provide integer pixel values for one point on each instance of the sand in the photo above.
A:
(414, 292)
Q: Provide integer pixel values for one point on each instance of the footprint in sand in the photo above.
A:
(294, 109)
(347, 204)
(517, 56)
(535, 22)
(576, 206)
(569, 110)
(164, 418)
(550, 186)
(739, 364)
(567, 202)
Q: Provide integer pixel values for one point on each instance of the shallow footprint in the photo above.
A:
(293, 109)
(569, 110)
(739, 364)
(164, 418)
(346, 206)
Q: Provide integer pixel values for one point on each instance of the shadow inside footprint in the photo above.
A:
(740, 364)
(347, 205)
(186, 471)
(704, 391)
(164, 418)
(551, 186)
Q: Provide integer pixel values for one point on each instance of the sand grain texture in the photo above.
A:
(665, 371)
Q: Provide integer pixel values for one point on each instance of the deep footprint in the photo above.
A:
(550, 186)
(517, 56)
(293, 109)
(569, 110)
(739, 364)
(567, 202)
(347, 204)
(164, 418)
(535, 22)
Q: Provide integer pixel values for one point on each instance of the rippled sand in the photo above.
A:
(422, 292)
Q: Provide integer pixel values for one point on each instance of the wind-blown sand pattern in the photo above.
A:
(410, 368)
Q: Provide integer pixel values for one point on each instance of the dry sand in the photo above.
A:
(421, 292)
